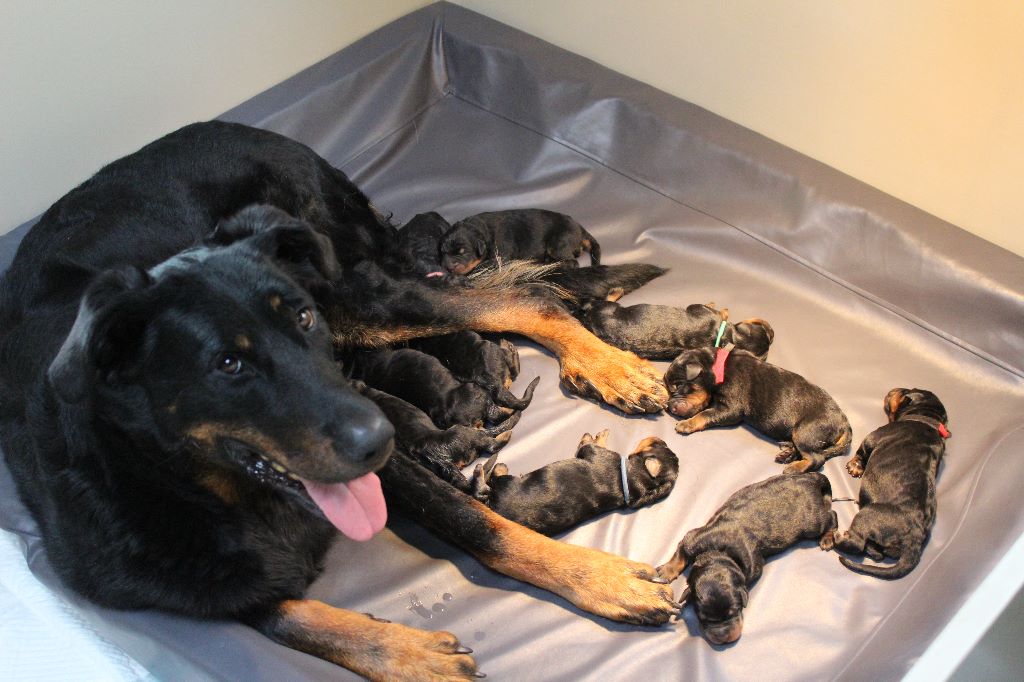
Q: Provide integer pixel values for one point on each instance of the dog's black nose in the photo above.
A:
(363, 432)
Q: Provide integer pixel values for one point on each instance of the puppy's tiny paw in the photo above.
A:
(855, 468)
(828, 541)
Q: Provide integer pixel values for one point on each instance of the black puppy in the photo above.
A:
(422, 380)
(473, 359)
(563, 494)
(727, 554)
(446, 451)
(899, 463)
(419, 240)
(719, 389)
(659, 332)
(524, 234)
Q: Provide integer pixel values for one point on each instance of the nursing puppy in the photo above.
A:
(420, 241)
(424, 381)
(473, 359)
(659, 332)
(443, 451)
(563, 494)
(712, 389)
(727, 554)
(524, 234)
(899, 463)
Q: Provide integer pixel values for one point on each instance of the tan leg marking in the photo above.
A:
(696, 423)
(373, 648)
(597, 582)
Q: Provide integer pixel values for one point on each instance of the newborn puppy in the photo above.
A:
(719, 389)
(524, 234)
(659, 332)
(899, 463)
(565, 493)
(473, 359)
(443, 452)
(422, 380)
(419, 240)
(727, 554)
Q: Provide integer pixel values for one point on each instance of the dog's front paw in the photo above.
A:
(855, 467)
(616, 377)
(692, 425)
(787, 453)
(828, 541)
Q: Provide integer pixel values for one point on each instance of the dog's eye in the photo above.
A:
(229, 364)
(306, 318)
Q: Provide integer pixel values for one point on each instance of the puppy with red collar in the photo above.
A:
(725, 386)
(898, 464)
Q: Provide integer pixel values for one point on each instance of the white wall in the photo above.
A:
(923, 99)
(83, 82)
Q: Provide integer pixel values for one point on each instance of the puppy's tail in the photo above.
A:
(503, 427)
(904, 565)
(597, 281)
(507, 399)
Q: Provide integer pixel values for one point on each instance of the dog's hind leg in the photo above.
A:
(374, 648)
(603, 584)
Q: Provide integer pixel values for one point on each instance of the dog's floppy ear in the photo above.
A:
(279, 235)
(110, 321)
(693, 370)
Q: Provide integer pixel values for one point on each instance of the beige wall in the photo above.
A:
(923, 99)
(83, 82)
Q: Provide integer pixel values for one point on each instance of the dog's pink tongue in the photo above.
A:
(355, 508)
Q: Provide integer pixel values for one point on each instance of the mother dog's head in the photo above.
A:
(219, 355)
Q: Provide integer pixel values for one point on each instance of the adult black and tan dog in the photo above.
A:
(175, 421)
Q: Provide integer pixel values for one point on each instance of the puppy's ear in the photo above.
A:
(893, 401)
(279, 235)
(109, 326)
(693, 370)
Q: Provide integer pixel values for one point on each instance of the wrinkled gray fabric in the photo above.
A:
(446, 110)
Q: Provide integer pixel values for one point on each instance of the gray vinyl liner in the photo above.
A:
(447, 110)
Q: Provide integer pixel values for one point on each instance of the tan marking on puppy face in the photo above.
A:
(690, 404)
(275, 302)
(242, 342)
(172, 408)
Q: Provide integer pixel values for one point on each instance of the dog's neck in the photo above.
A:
(930, 421)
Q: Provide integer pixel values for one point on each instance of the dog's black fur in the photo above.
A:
(660, 332)
(726, 555)
(167, 367)
(780, 404)
(899, 463)
(422, 380)
(420, 241)
(568, 492)
(473, 359)
(522, 234)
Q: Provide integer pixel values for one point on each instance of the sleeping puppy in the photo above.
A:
(712, 389)
(473, 359)
(899, 463)
(419, 240)
(422, 380)
(659, 332)
(523, 234)
(727, 554)
(563, 494)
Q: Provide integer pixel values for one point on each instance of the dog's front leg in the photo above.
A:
(404, 309)
(600, 583)
(374, 648)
